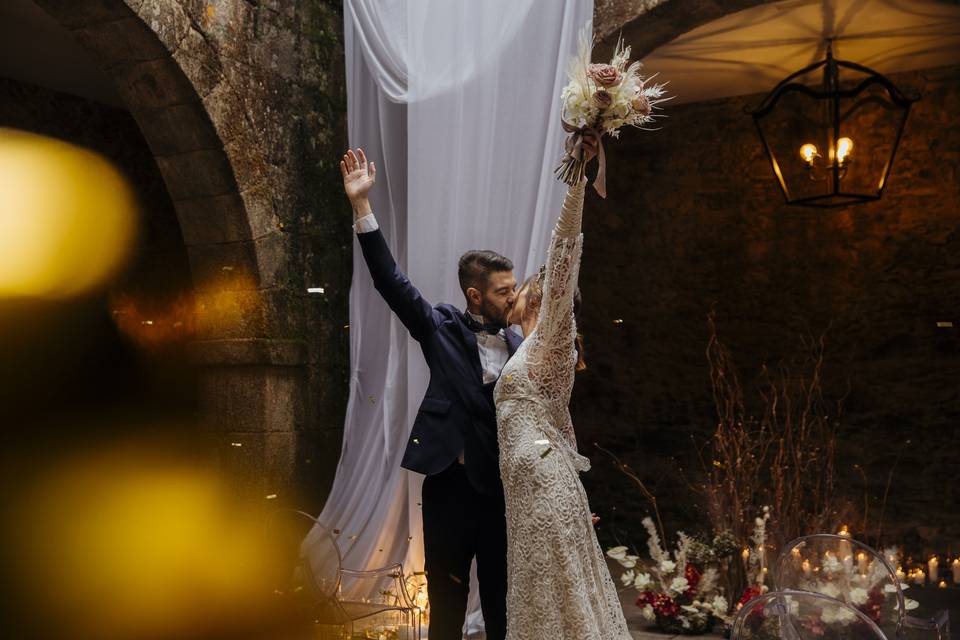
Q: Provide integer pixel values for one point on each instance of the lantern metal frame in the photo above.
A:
(831, 91)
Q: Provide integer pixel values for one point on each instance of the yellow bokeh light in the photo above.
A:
(67, 217)
(125, 544)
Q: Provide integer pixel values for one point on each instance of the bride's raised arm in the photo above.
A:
(555, 326)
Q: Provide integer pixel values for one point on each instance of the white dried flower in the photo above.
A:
(617, 553)
(679, 585)
(858, 596)
(627, 578)
(642, 582)
(719, 604)
(666, 566)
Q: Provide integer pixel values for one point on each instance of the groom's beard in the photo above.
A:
(495, 316)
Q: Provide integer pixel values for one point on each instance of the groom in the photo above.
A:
(454, 436)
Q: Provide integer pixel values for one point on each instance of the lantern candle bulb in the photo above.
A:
(955, 565)
(807, 571)
(862, 563)
(808, 152)
(933, 569)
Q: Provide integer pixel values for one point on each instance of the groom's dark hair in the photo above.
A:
(475, 268)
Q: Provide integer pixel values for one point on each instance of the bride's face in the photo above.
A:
(520, 306)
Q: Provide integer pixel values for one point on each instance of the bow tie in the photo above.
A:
(477, 327)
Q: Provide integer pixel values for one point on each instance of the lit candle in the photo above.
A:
(862, 562)
(919, 577)
(795, 554)
(933, 566)
(900, 574)
(807, 571)
(943, 584)
(956, 571)
(844, 552)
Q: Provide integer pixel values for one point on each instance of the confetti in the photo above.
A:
(272, 496)
(226, 268)
(541, 442)
(416, 441)
(372, 399)
(546, 453)
(456, 579)
(315, 290)
(236, 444)
(945, 325)
(618, 321)
(147, 322)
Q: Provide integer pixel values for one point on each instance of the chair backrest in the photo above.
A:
(802, 615)
(308, 558)
(847, 570)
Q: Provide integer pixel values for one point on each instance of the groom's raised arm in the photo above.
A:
(416, 313)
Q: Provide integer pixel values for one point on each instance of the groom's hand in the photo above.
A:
(358, 178)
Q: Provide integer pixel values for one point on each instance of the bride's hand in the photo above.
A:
(358, 176)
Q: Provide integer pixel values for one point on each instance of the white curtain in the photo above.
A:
(457, 101)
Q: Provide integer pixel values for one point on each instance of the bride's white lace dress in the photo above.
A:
(558, 587)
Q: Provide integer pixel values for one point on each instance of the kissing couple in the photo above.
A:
(493, 436)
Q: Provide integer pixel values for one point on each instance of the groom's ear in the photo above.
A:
(473, 296)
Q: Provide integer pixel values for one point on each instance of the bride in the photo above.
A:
(558, 587)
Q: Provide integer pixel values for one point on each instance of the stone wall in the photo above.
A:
(695, 222)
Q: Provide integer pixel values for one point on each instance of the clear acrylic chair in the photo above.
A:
(855, 573)
(802, 615)
(311, 577)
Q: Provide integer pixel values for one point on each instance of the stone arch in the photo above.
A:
(197, 79)
(163, 84)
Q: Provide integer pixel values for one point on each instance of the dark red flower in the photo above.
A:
(693, 576)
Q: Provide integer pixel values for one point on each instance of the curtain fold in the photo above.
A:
(462, 119)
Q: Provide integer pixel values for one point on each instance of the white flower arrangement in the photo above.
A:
(601, 99)
(674, 593)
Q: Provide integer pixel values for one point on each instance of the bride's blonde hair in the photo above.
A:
(534, 284)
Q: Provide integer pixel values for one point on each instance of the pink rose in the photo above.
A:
(605, 75)
(602, 99)
(641, 104)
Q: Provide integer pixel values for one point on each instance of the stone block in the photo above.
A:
(153, 84)
(248, 352)
(253, 399)
(199, 61)
(213, 220)
(166, 18)
(197, 174)
(121, 43)
(73, 15)
(177, 129)
(228, 266)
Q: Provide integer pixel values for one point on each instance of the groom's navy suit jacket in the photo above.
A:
(457, 413)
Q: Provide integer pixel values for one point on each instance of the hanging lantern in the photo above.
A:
(831, 140)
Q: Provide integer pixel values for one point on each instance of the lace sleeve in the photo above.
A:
(555, 326)
(551, 352)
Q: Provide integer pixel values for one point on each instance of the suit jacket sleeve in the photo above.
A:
(416, 314)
